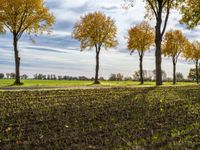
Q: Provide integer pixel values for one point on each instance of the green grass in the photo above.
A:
(62, 83)
(27, 83)
(114, 118)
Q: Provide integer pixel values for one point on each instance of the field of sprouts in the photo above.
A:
(114, 118)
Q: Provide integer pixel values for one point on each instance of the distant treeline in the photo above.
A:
(148, 76)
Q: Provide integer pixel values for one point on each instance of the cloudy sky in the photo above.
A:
(59, 54)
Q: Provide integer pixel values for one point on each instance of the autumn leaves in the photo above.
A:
(192, 52)
(96, 30)
(175, 44)
(140, 39)
(19, 16)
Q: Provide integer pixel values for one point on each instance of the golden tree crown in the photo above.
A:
(29, 16)
(95, 29)
(140, 37)
(193, 51)
(174, 43)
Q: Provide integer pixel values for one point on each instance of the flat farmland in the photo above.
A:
(114, 118)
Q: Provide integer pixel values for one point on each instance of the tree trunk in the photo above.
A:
(141, 70)
(158, 41)
(96, 81)
(174, 72)
(17, 61)
(197, 72)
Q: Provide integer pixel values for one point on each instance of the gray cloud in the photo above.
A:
(63, 25)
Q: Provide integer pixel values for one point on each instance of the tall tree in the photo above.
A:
(191, 17)
(174, 44)
(193, 75)
(160, 10)
(140, 38)
(21, 16)
(193, 53)
(95, 30)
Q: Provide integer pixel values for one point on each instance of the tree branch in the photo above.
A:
(154, 10)
(167, 16)
(7, 26)
(23, 18)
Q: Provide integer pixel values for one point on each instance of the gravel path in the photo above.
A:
(51, 88)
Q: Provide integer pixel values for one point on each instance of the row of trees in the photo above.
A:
(148, 76)
(59, 77)
(95, 29)
(141, 38)
(12, 76)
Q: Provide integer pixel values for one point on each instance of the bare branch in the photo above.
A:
(154, 10)
(169, 3)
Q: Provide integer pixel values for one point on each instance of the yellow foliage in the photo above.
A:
(95, 29)
(193, 51)
(190, 11)
(21, 16)
(140, 37)
(174, 43)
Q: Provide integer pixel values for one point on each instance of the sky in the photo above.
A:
(59, 54)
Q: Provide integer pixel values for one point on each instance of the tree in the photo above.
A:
(102, 79)
(192, 74)
(95, 30)
(127, 78)
(179, 76)
(190, 13)
(164, 74)
(160, 10)
(12, 75)
(24, 76)
(1, 75)
(136, 76)
(83, 78)
(119, 77)
(19, 16)
(60, 77)
(174, 44)
(112, 77)
(191, 17)
(116, 77)
(147, 75)
(193, 53)
(7, 75)
(140, 38)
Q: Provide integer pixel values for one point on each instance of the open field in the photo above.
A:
(118, 118)
(66, 83)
